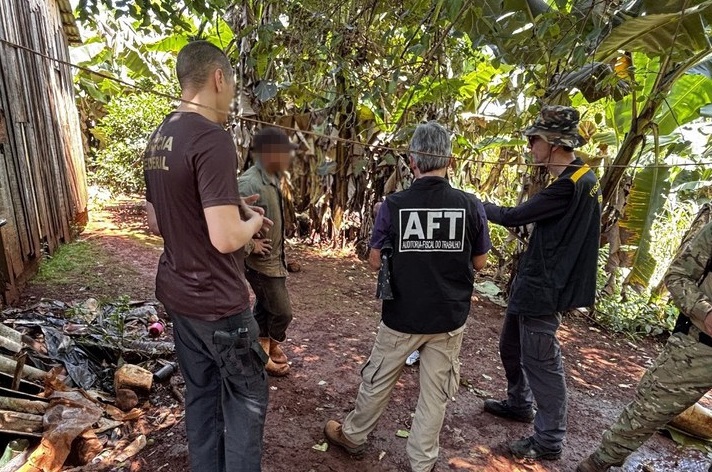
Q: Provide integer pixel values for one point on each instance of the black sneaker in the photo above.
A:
(528, 448)
(501, 408)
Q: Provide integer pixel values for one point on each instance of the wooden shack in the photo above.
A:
(42, 177)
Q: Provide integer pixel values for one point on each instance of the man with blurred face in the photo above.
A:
(266, 266)
(193, 202)
(557, 272)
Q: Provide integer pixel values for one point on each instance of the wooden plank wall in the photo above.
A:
(42, 175)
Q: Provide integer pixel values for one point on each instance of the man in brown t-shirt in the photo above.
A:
(193, 202)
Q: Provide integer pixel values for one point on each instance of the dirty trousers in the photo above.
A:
(679, 377)
(226, 394)
(531, 357)
(439, 379)
(273, 310)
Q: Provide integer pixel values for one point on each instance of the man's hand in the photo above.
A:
(708, 323)
(247, 211)
(262, 246)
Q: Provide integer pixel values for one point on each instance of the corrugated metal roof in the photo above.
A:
(69, 23)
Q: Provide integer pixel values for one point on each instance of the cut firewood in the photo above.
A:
(10, 345)
(696, 420)
(24, 406)
(20, 423)
(132, 377)
(12, 340)
(8, 365)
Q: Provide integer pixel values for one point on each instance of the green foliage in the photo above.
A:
(635, 315)
(645, 201)
(123, 135)
(631, 312)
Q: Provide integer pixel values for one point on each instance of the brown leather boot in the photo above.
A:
(272, 368)
(335, 435)
(276, 353)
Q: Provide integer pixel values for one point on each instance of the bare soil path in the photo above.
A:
(336, 317)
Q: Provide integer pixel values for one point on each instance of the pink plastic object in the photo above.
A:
(155, 330)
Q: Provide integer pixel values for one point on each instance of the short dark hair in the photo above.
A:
(271, 139)
(197, 60)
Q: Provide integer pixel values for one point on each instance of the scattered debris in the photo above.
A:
(321, 447)
(490, 291)
(402, 433)
(58, 359)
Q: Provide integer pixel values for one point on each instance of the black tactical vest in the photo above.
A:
(432, 226)
(557, 272)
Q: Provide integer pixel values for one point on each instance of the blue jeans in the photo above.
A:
(226, 391)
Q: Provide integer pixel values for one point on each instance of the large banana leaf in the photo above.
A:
(673, 6)
(659, 34)
(689, 94)
(645, 201)
(683, 104)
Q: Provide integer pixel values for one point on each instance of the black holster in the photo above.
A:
(383, 288)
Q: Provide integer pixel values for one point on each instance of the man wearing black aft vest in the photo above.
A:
(440, 238)
(557, 272)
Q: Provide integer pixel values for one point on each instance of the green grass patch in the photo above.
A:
(85, 267)
(68, 261)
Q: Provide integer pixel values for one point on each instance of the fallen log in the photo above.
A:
(20, 423)
(8, 365)
(696, 420)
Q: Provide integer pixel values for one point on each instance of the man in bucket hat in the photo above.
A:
(557, 272)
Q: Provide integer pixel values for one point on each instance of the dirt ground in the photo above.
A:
(335, 322)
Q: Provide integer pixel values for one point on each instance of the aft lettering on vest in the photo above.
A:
(431, 230)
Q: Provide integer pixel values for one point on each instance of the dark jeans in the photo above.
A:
(531, 357)
(273, 310)
(226, 392)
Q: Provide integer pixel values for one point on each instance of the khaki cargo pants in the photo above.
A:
(439, 380)
(679, 377)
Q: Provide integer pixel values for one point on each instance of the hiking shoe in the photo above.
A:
(502, 409)
(335, 435)
(595, 464)
(528, 448)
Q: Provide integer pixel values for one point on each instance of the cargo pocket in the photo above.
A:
(453, 382)
(541, 347)
(668, 364)
(370, 369)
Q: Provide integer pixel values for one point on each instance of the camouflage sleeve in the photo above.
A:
(685, 272)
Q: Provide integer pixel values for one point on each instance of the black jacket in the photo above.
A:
(557, 271)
